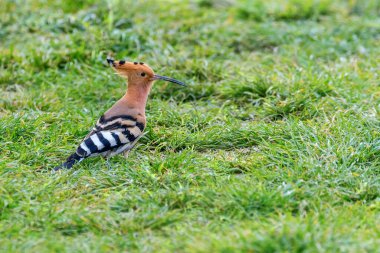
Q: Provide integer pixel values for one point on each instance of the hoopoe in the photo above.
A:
(119, 128)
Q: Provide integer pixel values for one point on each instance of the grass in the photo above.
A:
(274, 145)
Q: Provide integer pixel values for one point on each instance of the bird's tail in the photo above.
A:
(71, 160)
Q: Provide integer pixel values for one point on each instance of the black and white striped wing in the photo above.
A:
(102, 143)
(111, 137)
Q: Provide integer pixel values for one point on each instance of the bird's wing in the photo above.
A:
(110, 135)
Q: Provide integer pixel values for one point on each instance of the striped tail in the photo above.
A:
(71, 160)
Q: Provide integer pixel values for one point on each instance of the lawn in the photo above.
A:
(274, 145)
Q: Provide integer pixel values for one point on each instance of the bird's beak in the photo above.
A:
(165, 78)
(111, 62)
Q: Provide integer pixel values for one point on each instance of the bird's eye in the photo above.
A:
(143, 74)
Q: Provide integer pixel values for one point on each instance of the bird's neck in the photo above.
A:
(137, 95)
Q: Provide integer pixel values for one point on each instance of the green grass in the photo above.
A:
(274, 146)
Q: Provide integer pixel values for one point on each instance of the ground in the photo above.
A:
(274, 145)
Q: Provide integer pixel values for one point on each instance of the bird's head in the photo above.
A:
(138, 73)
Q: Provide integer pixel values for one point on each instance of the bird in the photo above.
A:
(121, 126)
